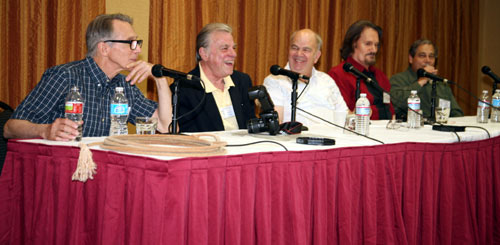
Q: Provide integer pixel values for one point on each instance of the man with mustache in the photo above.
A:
(319, 96)
(360, 46)
(226, 105)
(422, 55)
(112, 47)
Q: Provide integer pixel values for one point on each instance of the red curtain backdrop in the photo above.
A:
(408, 193)
(262, 30)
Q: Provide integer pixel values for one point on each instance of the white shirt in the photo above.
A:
(322, 97)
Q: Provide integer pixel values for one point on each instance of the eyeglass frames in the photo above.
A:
(133, 43)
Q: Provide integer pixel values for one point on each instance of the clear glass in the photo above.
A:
(145, 125)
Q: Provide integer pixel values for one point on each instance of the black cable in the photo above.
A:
(340, 126)
(301, 92)
(473, 96)
(199, 104)
(262, 141)
(191, 111)
(458, 137)
(489, 136)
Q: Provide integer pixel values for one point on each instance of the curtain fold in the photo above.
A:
(262, 31)
(38, 34)
(407, 193)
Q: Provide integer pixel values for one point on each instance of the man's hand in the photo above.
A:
(62, 129)
(139, 71)
(429, 69)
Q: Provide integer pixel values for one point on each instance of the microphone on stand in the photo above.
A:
(160, 71)
(487, 71)
(422, 73)
(292, 127)
(348, 67)
(277, 70)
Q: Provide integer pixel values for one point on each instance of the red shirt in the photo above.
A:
(347, 85)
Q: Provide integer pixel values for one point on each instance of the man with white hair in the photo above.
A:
(319, 95)
(226, 105)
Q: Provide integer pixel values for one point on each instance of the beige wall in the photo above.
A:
(139, 11)
(489, 42)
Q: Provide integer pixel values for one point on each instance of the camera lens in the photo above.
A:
(256, 125)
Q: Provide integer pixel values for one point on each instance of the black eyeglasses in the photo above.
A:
(133, 43)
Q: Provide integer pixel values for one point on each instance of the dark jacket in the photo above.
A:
(207, 116)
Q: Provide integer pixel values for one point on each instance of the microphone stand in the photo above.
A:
(432, 119)
(358, 89)
(175, 99)
(294, 98)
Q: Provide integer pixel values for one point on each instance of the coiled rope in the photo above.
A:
(158, 145)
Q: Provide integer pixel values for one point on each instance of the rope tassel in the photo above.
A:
(86, 167)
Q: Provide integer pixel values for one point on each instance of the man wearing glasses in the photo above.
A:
(422, 54)
(112, 47)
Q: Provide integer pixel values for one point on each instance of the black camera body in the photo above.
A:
(268, 121)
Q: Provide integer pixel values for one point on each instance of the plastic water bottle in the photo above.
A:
(119, 113)
(483, 109)
(495, 112)
(362, 115)
(413, 117)
(73, 109)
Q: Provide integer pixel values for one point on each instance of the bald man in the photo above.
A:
(319, 96)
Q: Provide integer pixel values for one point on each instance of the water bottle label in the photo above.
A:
(73, 107)
(414, 106)
(496, 102)
(119, 109)
(362, 111)
(482, 104)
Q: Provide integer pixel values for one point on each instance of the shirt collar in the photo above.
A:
(359, 66)
(95, 71)
(209, 86)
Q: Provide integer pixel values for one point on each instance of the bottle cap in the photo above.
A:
(119, 89)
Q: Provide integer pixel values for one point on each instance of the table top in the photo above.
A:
(377, 131)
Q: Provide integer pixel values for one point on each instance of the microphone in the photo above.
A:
(160, 71)
(348, 67)
(487, 71)
(277, 70)
(422, 73)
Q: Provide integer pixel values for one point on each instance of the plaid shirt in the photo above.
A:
(46, 102)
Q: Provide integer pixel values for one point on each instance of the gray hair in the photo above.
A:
(101, 28)
(319, 41)
(203, 38)
(416, 44)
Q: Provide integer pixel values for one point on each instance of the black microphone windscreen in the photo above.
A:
(347, 67)
(157, 70)
(275, 70)
(485, 69)
(421, 72)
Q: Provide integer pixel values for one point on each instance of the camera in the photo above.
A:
(268, 121)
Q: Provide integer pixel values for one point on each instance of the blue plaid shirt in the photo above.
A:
(46, 102)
